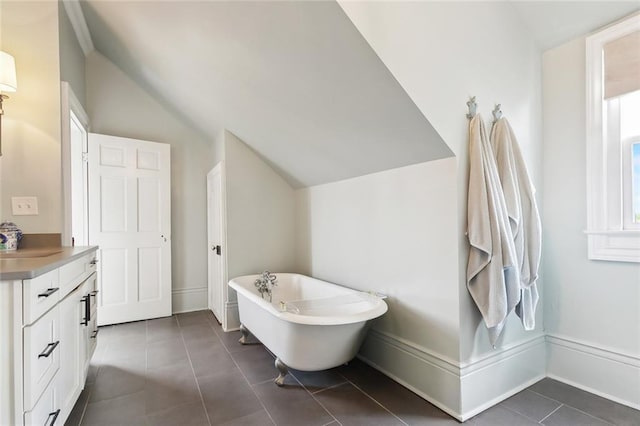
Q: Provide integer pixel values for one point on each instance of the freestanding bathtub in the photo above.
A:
(310, 324)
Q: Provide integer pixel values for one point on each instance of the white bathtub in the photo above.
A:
(310, 324)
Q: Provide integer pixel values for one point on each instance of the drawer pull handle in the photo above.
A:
(49, 292)
(55, 415)
(94, 261)
(95, 333)
(87, 310)
(49, 349)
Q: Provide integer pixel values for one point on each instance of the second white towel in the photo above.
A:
(524, 219)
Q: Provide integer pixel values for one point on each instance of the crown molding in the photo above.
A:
(79, 24)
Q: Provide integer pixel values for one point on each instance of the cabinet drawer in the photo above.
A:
(73, 273)
(46, 411)
(41, 355)
(39, 295)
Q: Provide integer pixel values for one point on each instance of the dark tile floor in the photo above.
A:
(184, 370)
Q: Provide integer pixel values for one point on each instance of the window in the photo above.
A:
(629, 106)
(635, 180)
(613, 142)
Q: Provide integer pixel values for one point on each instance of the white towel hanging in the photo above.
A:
(523, 213)
(492, 273)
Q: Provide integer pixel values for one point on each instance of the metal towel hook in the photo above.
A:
(497, 113)
(472, 107)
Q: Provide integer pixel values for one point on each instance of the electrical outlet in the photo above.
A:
(24, 206)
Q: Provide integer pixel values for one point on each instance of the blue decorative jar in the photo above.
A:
(10, 236)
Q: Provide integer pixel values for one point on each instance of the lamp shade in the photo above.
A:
(8, 82)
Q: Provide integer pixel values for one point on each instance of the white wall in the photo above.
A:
(30, 162)
(391, 232)
(216, 152)
(442, 53)
(72, 67)
(118, 106)
(260, 213)
(592, 314)
(260, 217)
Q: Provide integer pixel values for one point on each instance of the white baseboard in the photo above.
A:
(232, 316)
(462, 391)
(602, 371)
(189, 299)
(502, 374)
(414, 368)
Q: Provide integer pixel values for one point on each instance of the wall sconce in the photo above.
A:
(8, 83)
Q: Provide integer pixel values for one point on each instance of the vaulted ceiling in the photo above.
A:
(295, 80)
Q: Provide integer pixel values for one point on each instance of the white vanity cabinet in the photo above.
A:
(48, 333)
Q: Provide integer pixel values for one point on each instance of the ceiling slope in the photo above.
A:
(295, 80)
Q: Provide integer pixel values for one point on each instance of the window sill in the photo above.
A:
(617, 246)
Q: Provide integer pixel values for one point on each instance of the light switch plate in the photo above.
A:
(24, 206)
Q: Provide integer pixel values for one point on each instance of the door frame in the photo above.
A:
(71, 106)
(218, 169)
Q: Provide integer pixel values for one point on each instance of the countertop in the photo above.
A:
(34, 262)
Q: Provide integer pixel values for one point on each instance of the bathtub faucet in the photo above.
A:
(265, 283)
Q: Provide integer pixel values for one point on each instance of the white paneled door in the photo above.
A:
(130, 219)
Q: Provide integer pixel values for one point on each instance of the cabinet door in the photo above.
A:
(70, 375)
(91, 332)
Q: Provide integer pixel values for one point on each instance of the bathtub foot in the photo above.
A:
(244, 340)
(245, 334)
(283, 369)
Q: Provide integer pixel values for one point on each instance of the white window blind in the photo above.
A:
(622, 65)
